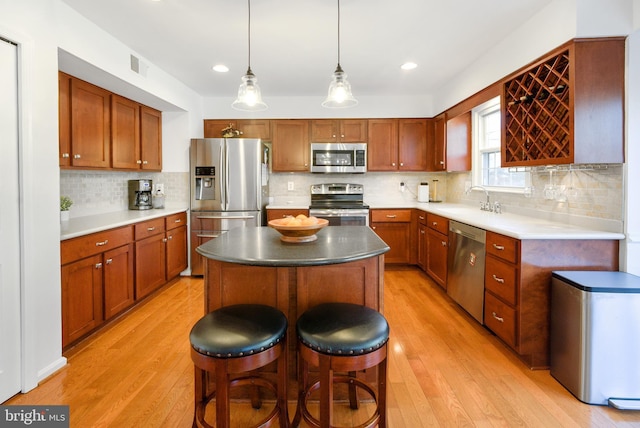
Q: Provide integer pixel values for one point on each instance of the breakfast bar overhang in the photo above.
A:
(252, 265)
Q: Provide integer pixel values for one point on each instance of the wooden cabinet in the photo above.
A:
(438, 151)
(250, 128)
(176, 236)
(290, 146)
(150, 256)
(98, 129)
(518, 284)
(398, 144)
(567, 107)
(97, 280)
(276, 213)
(394, 227)
(90, 125)
(422, 240)
(437, 248)
(150, 139)
(338, 131)
(458, 143)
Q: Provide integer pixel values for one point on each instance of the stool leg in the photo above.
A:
(256, 401)
(200, 394)
(223, 415)
(382, 392)
(303, 369)
(282, 380)
(353, 393)
(326, 391)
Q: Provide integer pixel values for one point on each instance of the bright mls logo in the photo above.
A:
(34, 416)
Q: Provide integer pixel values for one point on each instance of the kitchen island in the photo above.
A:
(252, 265)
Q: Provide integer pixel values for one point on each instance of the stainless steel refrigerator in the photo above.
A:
(229, 188)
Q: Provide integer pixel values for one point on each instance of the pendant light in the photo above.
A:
(340, 95)
(249, 97)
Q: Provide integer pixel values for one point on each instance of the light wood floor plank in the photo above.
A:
(445, 370)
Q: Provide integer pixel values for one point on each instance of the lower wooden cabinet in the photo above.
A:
(437, 248)
(422, 240)
(394, 227)
(105, 273)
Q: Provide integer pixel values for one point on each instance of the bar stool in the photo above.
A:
(231, 342)
(341, 337)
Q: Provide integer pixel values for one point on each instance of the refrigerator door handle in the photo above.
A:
(223, 176)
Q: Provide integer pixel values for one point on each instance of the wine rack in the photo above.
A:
(567, 107)
(537, 112)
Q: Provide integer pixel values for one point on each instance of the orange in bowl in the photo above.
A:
(298, 229)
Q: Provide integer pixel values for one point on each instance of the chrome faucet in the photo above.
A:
(486, 206)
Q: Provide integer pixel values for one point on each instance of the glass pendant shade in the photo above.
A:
(249, 96)
(339, 95)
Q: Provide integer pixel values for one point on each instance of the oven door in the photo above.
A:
(342, 217)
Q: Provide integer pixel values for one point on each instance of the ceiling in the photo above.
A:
(294, 42)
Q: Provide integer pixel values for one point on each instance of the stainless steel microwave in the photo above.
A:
(348, 158)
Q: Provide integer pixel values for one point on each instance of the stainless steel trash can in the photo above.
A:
(595, 336)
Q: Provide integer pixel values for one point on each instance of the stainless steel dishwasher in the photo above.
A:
(465, 263)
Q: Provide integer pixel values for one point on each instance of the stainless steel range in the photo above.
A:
(340, 203)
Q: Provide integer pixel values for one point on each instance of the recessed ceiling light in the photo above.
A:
(408, 66)
(220, 68)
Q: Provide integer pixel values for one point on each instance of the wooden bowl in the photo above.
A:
(296, 234)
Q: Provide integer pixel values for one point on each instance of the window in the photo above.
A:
(486, 134)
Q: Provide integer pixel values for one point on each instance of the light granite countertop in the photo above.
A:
(79, 226)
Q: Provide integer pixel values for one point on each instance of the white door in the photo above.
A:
(9, 225)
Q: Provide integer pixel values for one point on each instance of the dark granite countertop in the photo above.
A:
(261, 246)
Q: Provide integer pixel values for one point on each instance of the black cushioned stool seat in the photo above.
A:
(235, 340)
(341, 337)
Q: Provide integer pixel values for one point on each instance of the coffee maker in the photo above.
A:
(140, 194)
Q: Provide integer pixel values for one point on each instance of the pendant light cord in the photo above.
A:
(338, 32)
(249, 33)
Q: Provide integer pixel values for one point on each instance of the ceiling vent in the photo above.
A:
(138, 66)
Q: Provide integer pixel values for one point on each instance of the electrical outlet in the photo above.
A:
(290, 185)
(402, 186)
(160, 187)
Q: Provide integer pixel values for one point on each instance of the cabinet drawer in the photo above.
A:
(500, 318)
(95, 243)
(439, 223)
(501, 279)
(175, 220)
(389, 216)
(422, 217)
(502, 246)
(149, 228)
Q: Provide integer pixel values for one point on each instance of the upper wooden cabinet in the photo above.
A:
(398, 144)
(438, 151)
(458, 143)
(251, 128)
(567, 107)
(98, 129)
(89, 137)
(338, 131)
(290, 145)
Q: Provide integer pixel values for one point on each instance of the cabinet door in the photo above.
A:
(213, 128)
(118, 280)
(396, 235)
(125, 133)
(81, 298)
(382, 147)
(90, 125)
(439, 149)
(290, 145)
(324, 131)
(176, 251)
(150, 264)
(412, 144)
(151, 139)
(64, 119)
(255, 129)
(353, 130)
(459, 143)
(422, 246)
(437, 248)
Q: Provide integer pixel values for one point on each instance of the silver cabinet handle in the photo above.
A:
(164, 239)
(497, 279)
(214, 235)
(139, 162)
(422, 232)
(76, 156)
(178, 220)
(434, 223)
(499, 319)
(170, 237)
(109, 261)
(421, 217)
(498, 247)
(65, 155)
(444, 244)
(98, 265)
(401, 163)
(151, 229)
(393, 164)
(102, 243)
(391, 216)
(145, 162)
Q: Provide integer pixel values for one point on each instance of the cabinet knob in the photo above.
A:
(393, 164)
(422, 232)
(401, 163)
(164, 240)
(139, 162)
(421, 217)
(444, 244)
(170, 237)
(144, 162)
(441, 162)
(98, 265)
(76, 156)
(109, 261)
(65, 155)
(434, 223)
(342, 136)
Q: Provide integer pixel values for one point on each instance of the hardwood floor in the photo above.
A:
(444, 369)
